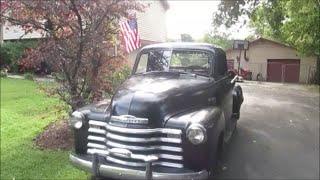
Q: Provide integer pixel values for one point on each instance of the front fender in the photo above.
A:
(98, 111)
(196, 156)
(237, 101)
(209, 117)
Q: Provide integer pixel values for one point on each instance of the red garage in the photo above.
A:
(283, 70)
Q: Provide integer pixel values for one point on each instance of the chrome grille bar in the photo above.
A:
(135, 131)
(94, 145)
(98, 131)
(163, 143)
(144, 148)
(163, 156)
(97, 138)
(142, 140)
(141, 164)
(97, 151)
(143, 131)
(169, 156)
(97, 123)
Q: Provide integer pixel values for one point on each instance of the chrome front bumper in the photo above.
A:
(124, 173)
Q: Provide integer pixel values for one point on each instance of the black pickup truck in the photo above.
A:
(170, 120)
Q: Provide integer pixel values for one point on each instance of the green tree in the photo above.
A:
(293, 22)
(229, 12)
(186, 38)
(268, 18)
(302, 26)
(221, 40)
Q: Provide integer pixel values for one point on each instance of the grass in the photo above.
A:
(25, 112)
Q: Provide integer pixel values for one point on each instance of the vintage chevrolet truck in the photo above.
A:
(170, 119)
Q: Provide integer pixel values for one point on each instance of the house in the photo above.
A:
(151, 26)
(275, 61)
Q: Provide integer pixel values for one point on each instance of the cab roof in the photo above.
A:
(183, 45)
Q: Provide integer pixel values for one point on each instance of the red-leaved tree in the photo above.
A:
(77, 43)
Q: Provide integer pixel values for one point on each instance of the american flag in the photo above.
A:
(130, 35)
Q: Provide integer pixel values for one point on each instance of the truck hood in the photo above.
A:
(160, 95)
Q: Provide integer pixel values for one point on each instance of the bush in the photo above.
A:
(11, 52)
(118, 77)
(28, 76)
(4, 73)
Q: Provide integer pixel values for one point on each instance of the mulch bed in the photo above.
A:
(56, 135)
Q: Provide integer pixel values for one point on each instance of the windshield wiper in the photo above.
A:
(185, 73)
(195, 74)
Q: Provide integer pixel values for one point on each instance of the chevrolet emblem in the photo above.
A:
(129, 119)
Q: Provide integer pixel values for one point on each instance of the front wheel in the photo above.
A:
(235, 129)
(93, 177)
(217, 162)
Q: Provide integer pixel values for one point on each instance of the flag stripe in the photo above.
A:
(129, 39)
(126, 38)
(130, 35)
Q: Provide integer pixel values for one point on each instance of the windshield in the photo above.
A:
(184, 61)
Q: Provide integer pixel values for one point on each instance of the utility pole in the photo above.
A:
(239, 63)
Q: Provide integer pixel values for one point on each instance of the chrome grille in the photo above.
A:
(162, 142)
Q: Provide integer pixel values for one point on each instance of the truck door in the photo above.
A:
(225, 88)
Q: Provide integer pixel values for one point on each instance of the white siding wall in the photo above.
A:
(152, 22)
(15, 32)
(260, 52)
(151, 26)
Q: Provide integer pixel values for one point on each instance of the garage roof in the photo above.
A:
(261, 39)
(271, 41)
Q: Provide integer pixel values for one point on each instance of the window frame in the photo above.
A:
(210, 53)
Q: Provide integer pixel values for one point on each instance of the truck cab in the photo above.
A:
(169, 120)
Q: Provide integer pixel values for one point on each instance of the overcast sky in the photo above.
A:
(194, 18)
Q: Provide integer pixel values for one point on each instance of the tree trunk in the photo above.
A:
(1, 32)
(318, 71)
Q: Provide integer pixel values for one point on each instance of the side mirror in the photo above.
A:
(231, 74)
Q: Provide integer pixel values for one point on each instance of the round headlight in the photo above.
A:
(76, 119)
(196, 134)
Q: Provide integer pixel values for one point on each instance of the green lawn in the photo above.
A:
(25, 112)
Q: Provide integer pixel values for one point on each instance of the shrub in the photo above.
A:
(11, 52)
(118, 77)
(28, 76)
(4, 73)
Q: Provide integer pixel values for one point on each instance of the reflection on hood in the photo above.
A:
(159, 95)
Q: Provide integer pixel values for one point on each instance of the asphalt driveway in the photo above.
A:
(277, 135)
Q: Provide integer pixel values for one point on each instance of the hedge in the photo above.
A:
(12, 51)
